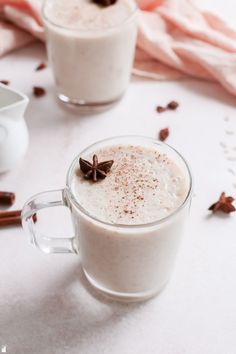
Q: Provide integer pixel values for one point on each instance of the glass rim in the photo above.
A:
(76, 30)
(132, 226)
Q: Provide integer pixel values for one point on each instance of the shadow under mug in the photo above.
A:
(126, 262)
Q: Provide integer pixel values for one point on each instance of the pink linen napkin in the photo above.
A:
(175, 39)
(20, 23)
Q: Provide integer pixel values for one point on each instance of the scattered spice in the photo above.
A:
(7, 198)
(173, 105)
(5, 82)
(41, 66)
(231, 158)
(104, 2)
(96, 169)
(163, 134)
(38, 91)
(160, 109)
(228, 149)
(230, 170)
(223, 145)
(229, 132)
(224, 204)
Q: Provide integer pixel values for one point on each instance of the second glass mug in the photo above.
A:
(126, 262)
(91, 68)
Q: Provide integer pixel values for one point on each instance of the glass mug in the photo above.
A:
(91, 68)
(126, 262)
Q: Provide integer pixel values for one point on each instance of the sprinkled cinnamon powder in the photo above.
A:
(140, 187)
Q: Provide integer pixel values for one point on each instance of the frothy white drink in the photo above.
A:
(128, 225)
(90, 48)
(143, 186)
(87, 15)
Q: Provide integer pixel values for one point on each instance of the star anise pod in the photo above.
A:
(224, 204)
(96, 169)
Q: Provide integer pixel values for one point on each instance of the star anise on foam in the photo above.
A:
(104, 3)
(96, 169)
(223, 204)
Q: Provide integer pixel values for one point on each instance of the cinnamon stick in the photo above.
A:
(10, 214)
(13, 217)
(13, 220)
(7, 198)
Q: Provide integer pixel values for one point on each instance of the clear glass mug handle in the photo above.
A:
(41, 201)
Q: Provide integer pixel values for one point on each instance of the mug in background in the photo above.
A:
(130, 262)
(91, 67)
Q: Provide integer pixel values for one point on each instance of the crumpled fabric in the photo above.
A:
(175, 40)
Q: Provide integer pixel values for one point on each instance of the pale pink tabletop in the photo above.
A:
(46, 306)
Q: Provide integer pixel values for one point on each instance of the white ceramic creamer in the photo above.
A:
(13, 130)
